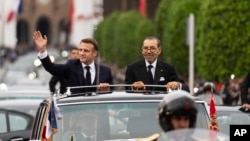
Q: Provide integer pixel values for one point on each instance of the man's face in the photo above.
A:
(87, 53)
(180, 122)
(150, 50)
(74, 54)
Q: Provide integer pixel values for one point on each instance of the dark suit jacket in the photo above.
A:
(53, 82)
(164, 73)
(244, 89)
(72, 71)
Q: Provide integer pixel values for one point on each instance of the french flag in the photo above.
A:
(15, 9)
(54, 114)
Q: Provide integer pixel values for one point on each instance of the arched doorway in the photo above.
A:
(22, 32)
(43, 25)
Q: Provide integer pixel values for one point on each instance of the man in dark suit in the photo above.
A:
(245, 91)
(78, 72)
(160, 73)
(54, 80)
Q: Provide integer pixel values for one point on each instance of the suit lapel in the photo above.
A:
(143, 71)
(80, 73)
(97, 74)
(158, 72)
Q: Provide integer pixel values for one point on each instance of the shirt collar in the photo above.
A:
(153, 64)
(92, 65)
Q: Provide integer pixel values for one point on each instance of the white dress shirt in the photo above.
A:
(91, 69)
(152, 69)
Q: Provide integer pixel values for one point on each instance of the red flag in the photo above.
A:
(213, 116)
(142, 7)
(10, 16)
(71, 15)
(213, 120)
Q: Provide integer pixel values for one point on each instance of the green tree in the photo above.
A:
(224, 39)
(175, 49)
(105, 36)
(121, 35)
(161, 18)
(132, 29)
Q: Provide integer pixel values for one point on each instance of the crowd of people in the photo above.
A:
(228, 93)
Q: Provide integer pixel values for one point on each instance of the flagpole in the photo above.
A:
(191, 27)
(3, 23)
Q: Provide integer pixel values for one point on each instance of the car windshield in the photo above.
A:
(227, 118)
(114, 120)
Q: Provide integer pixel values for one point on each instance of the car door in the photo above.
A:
(15, 125)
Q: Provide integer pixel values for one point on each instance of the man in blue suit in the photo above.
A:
(77, 72)
(160, 73)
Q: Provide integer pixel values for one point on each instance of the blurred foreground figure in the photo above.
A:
(176, 111)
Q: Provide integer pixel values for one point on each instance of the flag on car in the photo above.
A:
(57, 109)
(213, 120)
(53, 115)
(213, 115)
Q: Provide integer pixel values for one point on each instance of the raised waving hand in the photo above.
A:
(40, 41)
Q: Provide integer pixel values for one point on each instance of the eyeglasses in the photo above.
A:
(153, 49)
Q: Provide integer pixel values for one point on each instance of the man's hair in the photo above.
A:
(91, 41)
(73, 48)
(154, 38)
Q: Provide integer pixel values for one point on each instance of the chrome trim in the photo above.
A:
(39, 121)
(98, 102)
